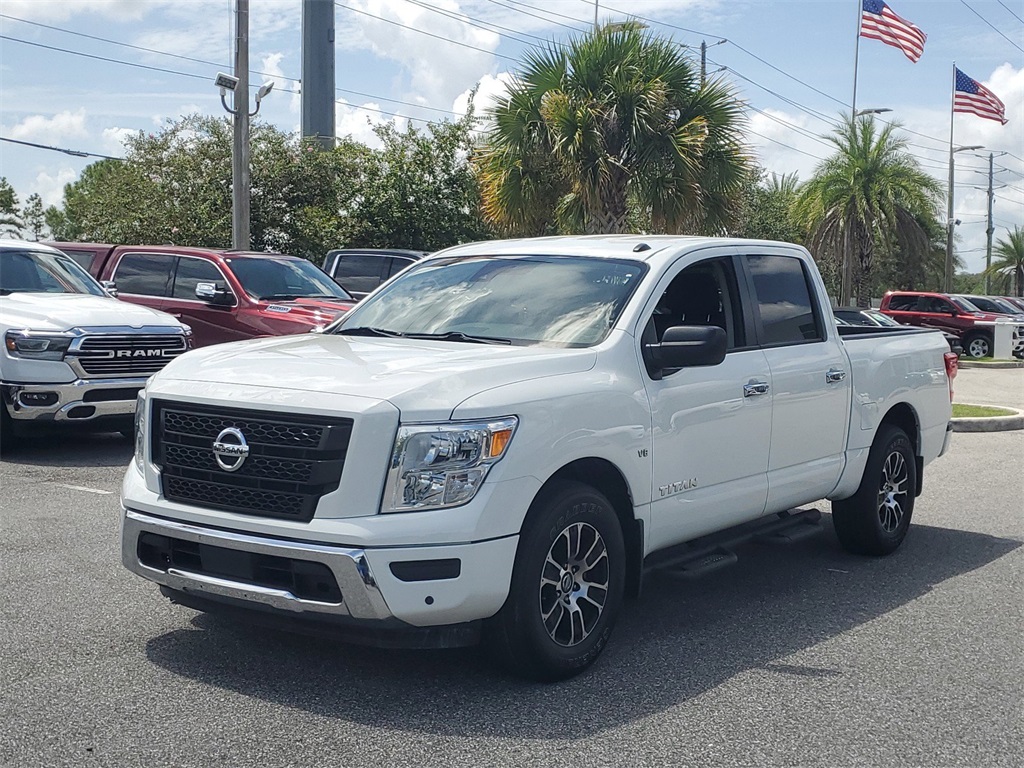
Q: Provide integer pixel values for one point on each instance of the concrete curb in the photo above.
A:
(990, 423)
(965, 363)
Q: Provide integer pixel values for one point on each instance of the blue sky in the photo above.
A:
(793, 63)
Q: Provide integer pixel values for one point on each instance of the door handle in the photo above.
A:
(755, 388)
(834, 375)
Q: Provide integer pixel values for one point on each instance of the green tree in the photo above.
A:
(870, 195)
(614, 119)
(10, 222)
(1007, 269)
(34, 216)
(766, 209)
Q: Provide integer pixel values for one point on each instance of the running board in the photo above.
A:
(709, 553)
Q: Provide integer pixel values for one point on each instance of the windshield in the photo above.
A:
(963, 304)
(43, 272)
(553, 300)
(285, 279)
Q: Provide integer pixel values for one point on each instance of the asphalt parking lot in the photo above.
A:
(798, 655)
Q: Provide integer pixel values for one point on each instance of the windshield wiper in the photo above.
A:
(368, 331)
(458, 336)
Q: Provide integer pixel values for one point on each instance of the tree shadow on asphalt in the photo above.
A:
(70, 448)
(679, 640)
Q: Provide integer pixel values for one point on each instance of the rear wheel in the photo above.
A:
(978, 345)
(874, 521)
(567, 586)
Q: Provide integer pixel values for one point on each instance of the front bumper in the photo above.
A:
(364, 587)
(77, 401)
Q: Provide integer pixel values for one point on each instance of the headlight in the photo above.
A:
(443, 465)
(140, 431)
(37, 346)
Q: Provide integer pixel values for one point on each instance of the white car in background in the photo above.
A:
(72, 354)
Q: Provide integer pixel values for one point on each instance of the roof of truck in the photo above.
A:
(24, 245)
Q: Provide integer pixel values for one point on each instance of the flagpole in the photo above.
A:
(947, 282)
(846, 283)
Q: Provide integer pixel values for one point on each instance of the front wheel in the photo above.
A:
(567, 586)
(874, 521)
(978, 345)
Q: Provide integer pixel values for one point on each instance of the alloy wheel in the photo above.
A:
(892, 493)
(574, 584)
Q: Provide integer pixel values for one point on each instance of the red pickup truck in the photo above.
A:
(952, 314)
(222, 295)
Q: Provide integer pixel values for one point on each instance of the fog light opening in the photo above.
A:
(37, 399)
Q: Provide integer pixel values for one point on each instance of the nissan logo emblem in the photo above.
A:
(230, 449)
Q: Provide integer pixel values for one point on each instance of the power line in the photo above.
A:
(425, 32)
(542, 18)
(998, 31)
(72, 152)
(480, 23)
(1018, 18)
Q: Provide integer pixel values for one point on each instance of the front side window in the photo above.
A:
(567, 301)
(788, 313)
(43, 272)
(702, 294)
(144, 274)
(277, 279)
(190, 273)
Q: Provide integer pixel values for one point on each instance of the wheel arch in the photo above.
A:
(604, 476)
(904, 416)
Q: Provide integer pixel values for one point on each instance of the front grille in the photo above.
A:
(127, 354)
(293, 459)
(303, 578)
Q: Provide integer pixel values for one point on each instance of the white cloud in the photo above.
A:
(350, 120)
(50, 130)
(786, 143)
(51, 188)
(113, 140)
(488, 89)
(61, 10)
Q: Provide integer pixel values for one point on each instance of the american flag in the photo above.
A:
(971, 96)
(878, 22)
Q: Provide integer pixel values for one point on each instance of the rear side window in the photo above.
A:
(360, 272)
(144, 274)
(788, 313)
(903, 304)
(190, 273)
(397, 265)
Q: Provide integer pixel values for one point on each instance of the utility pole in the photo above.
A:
(991, 228)
(318, 71)
(240, 180)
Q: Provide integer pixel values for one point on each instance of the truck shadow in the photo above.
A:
(70, 448)
(679, 640)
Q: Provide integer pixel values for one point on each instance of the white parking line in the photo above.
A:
(83, 488)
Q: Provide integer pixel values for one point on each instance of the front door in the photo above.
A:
(711, 425)
(210, 323)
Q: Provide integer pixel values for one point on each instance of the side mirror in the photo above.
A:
(214, 294)
(688, 346)
(110, 287)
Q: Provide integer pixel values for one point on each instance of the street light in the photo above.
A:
(872, 111)
(947, 282)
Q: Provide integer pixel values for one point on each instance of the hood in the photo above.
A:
(64, 311)
(312, 311)
(425, 379)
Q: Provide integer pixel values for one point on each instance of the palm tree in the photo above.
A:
(614, 120)
(1010, 266)
(870, 192)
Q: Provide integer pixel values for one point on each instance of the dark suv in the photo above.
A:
(361, 270)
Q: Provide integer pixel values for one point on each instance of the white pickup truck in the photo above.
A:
(72, 354)
(504, 438)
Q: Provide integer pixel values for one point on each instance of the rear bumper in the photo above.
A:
(945, 441)
(81, 400)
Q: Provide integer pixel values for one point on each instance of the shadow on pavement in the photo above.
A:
(679, 640)
(69, 448)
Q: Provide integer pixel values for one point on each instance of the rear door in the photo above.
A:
(144, 278)
(810, 380)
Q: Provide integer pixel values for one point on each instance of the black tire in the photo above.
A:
(568, 520)
(977, 345)
(875, 520)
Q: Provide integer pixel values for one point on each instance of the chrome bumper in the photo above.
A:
(945, 440)
(70, 396)
(361, 597)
